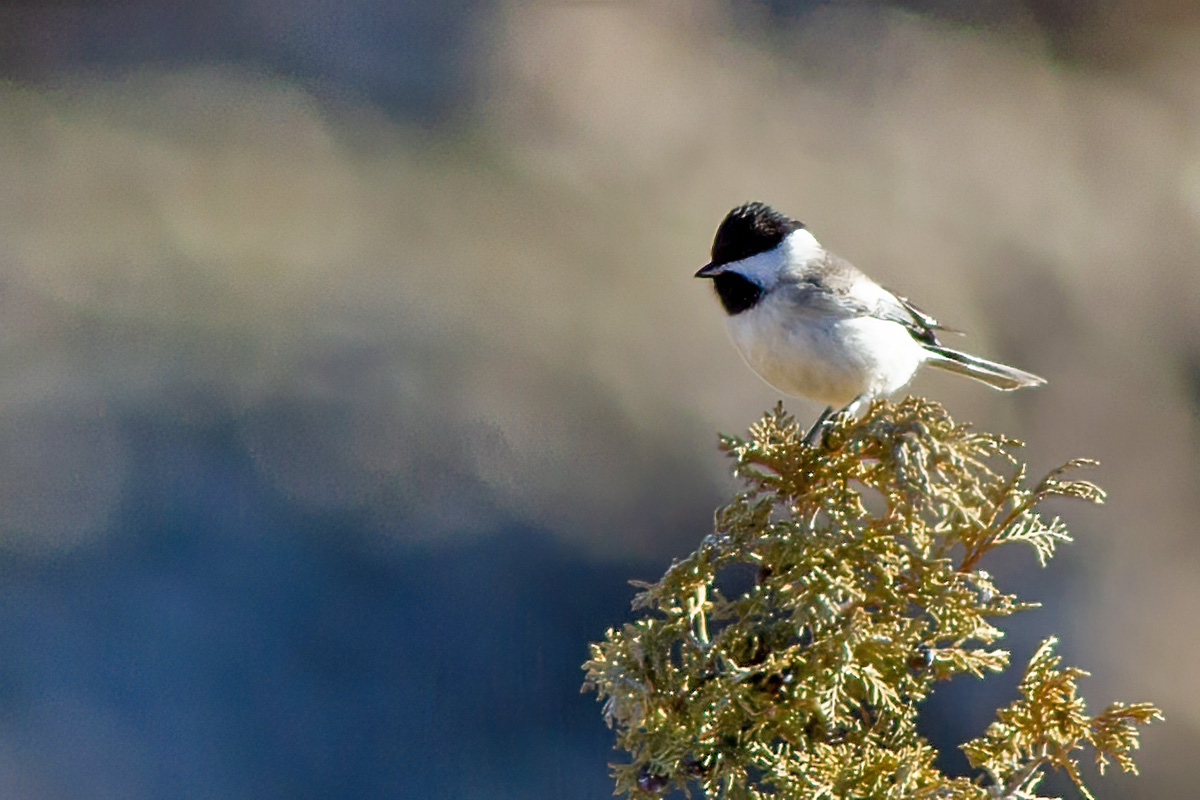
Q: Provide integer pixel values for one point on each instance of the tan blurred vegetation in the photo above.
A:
(514, 308)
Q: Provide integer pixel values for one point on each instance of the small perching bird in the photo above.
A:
(812, 325)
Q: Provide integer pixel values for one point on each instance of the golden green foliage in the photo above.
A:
(859, 588)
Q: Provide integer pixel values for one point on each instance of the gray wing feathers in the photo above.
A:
(836, 287)
(919, 324)
(839, 277)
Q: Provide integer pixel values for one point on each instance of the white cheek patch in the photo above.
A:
(802, 247)
(764, 269)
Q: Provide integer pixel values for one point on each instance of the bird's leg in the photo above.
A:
(827, 417)
(818, 427)
(855, 406)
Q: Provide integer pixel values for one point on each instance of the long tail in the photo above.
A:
(998, 376)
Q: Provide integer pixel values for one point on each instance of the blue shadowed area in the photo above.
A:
(221, 644)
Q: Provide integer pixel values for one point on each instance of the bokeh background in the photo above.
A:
(350, 359)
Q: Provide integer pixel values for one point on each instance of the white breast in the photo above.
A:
(831, 360)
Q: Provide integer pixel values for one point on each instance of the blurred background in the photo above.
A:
(351, 362)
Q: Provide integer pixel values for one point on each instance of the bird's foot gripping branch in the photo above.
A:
(788, 656)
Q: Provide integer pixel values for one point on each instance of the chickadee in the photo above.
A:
(811, 325)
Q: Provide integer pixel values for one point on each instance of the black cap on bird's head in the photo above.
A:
(747, 230)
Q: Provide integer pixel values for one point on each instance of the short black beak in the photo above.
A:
(709, 270)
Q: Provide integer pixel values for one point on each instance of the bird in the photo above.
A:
(812, 325)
